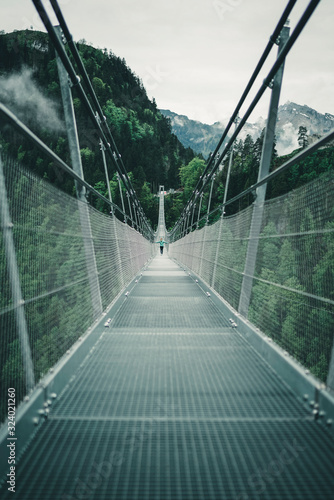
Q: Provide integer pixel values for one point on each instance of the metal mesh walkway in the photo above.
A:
(172, 403)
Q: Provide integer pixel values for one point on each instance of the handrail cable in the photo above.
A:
(96, 122)
(280, 59)
(82, 69)
(22, 128)
(272, 40)
(286, 165)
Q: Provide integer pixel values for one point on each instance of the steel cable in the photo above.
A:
(76, 82)
(279, 61)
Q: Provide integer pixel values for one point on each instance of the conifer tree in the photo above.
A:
(302, 137)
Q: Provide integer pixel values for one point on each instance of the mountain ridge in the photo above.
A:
(203, 138)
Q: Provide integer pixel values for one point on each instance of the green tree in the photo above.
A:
(302, 137)
(190, 174)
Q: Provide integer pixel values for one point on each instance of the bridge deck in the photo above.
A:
(174, 404)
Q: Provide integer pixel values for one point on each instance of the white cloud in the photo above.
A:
(206, 54)
(20, 93)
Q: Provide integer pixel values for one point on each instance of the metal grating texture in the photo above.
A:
(181, 371)
(62, 262)
(188, 312)
(273, 264)
(173, 403)
(167, 459)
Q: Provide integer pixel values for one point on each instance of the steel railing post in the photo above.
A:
(199, 210)
(267, 149)
(193, 215)
(230, 161)
(86, 229)
(14, 279)
(121, 195)
(210, 197)
(330, 377)
(102, 147)
(213, 279)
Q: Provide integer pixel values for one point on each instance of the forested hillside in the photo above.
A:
(29, 86)
(152, 154)
(244, 173)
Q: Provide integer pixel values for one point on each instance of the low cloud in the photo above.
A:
(21, 95)
(287, 139)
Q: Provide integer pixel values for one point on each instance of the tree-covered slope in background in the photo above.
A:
(153, 155)
(29, 86)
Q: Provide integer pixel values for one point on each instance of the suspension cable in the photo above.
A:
(279, 61)
(22, 128)
(272, 40)
(82, 69)
(116, 158)
(272, 175)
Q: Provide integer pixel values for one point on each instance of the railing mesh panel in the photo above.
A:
(292, 298)
(46, 228)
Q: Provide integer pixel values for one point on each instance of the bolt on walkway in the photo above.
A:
(173, 403)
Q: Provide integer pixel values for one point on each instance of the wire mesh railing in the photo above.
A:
(55, 292)
(62, 262)
(292, 285)
(272, 261)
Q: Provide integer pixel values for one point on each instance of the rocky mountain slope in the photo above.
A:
(203, 138)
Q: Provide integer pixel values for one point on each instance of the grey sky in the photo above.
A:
(196, 56)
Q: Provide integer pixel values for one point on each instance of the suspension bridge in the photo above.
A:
(204, 372)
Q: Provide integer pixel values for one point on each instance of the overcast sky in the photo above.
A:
(195, 57)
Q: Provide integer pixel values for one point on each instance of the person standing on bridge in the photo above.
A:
(162, 244)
